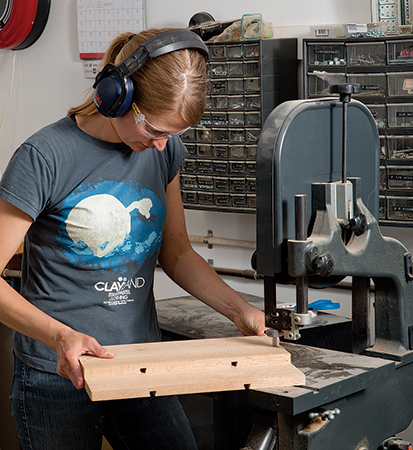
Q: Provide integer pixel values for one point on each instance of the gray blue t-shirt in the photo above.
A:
(89, 257)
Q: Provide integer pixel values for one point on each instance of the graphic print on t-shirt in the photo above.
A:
(109, 222)
(110, 225)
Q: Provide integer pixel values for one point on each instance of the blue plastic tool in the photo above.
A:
(323, 304)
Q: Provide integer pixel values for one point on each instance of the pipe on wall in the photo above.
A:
(210, 240)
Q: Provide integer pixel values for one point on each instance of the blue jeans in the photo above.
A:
(51, 414)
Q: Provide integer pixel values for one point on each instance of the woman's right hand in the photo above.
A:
(69, 346)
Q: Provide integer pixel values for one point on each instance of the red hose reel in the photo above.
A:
(22, 22)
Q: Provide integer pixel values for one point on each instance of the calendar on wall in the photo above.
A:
(99, 21)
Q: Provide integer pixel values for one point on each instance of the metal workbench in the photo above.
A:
(364, 389)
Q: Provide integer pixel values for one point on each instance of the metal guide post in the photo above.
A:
(301, 235)
(345, 90)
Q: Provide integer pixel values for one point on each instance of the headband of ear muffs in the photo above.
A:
(113, 86)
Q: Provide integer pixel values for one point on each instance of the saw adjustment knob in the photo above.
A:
(345, 90)
(324, 264)
(358, 224)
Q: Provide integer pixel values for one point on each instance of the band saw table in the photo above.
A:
(278, 418)
(317, 209)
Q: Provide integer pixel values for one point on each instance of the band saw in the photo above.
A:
(317, 223)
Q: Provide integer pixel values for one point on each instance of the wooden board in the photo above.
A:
(189, 367)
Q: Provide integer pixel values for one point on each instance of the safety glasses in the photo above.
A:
(148, 129)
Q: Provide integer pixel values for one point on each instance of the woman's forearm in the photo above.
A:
(193, 274)
(20, 315)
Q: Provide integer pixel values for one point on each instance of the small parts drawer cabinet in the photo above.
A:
(247, 80)
(383, 66)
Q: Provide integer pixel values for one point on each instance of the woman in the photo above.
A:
(97, 200)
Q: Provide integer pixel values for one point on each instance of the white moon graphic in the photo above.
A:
(102, 222)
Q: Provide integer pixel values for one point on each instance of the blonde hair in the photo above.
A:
(172, 83)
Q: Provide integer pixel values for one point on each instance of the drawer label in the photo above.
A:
(370, 87)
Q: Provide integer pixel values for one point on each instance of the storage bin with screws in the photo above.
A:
(247, 80)
(383, 66)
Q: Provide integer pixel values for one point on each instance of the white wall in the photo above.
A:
(279, 12)
(49, 79)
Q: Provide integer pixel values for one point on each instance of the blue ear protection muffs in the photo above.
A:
(113, 87)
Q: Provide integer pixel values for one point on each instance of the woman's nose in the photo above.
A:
(159, 144)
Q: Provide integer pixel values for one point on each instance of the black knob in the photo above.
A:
(324, 264)
(358, 224)
(345, 90)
